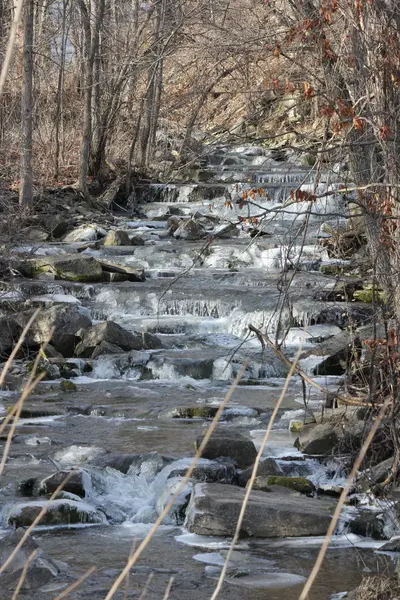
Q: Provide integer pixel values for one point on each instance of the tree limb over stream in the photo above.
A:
(265, 341)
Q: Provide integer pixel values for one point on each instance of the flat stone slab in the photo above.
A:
(214, 510)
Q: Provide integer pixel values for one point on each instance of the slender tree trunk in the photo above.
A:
(60, 85)
(26, 187)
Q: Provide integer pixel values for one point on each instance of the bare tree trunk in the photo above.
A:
(26, 187)
(60, 84)
(92, 35)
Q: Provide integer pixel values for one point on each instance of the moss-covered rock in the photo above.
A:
(195, 412)
(69, 268)
(68, 386)
(369, 294)
(297, 484)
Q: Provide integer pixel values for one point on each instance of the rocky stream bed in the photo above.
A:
(148, 321)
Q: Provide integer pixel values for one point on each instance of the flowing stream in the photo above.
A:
(199, 299)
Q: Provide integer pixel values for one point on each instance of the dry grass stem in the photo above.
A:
(168, 590)
(133, 559)
(378, 587)
(252, 478)
(146, 586)
(76, 584)
(30, 558)
(343, 496)
(37, 520)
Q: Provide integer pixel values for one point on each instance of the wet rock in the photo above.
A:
(336, 354)
(214, 472)
(266, 467)
(230, 444)
(69, 268)
(194, 412)
(10, 331)
(58, 512)
(60, 324)
(84, 233)
(375, 475)
(40, 572)
(137, 240)
(114, 334)
(368, 524)
(75, 484)
(393, 545)
(321, 440)
(78, 455)
(214, 510)
(67, 386)
(145, 465)
(129, 273)
(106, 348)
(297, 484)
(189, 230)
(177, 513)
(117, 237)
(173, 224)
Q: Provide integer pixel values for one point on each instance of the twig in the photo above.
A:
(343, 495)
(18, 344)
(168, 590)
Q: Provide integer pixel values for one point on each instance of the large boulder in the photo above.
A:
(59, 324)
(321, 440)
(117, 336)
(58, 512)
(214, 510)
(230, 444)
(117, 237)
(40, 572)
(76, 267)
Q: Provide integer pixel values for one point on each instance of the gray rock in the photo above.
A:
(267, 467)
(371, 477)
(368, 524)
(117, 336)
(58, 512)
(69, 268)
(117, 237)
(84, 233)
(74, 485)
(189, 230)
(147, 465)
(321, 440)
(214, 510)
(393, 545)
(65, 321)
(40, 571)
(214, 472)
(106, 348)
(137, 240)
(231, 444)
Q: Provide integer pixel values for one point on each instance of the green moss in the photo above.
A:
(68, 386)
(369, 294)
(296, 426)
(195, 412)
(298, 484)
